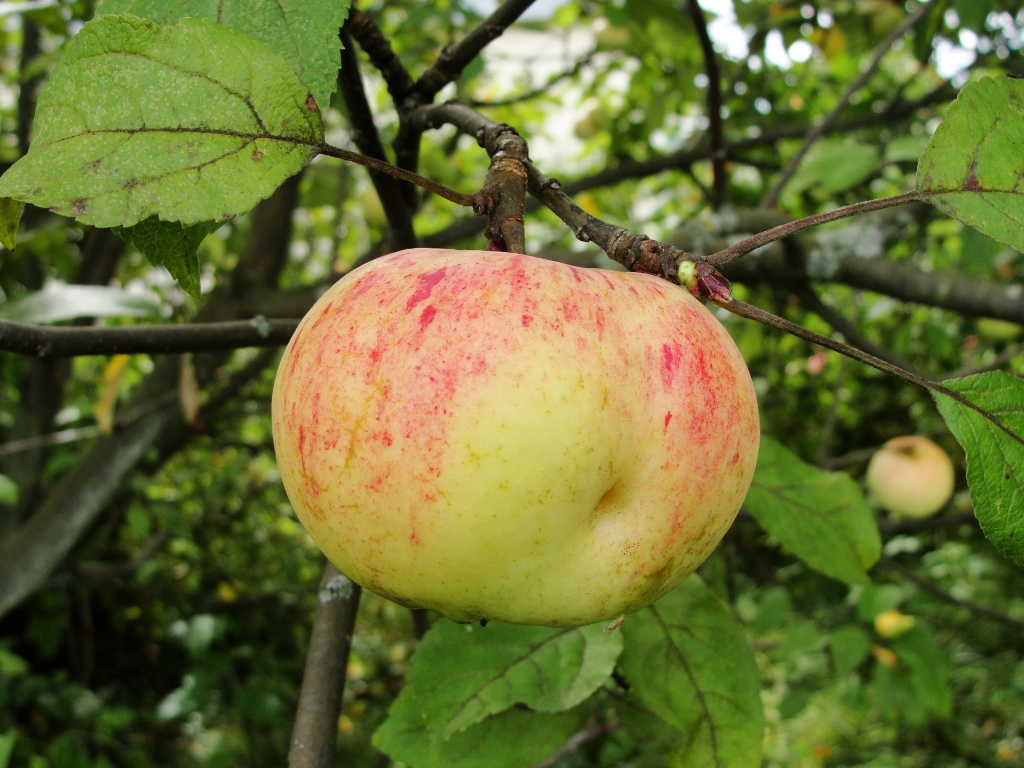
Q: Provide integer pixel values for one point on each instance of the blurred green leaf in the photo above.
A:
(10, 220)
(304, 32)
(973, 166)
(995, 460)
(11, 665)
(8, 490)
(821, 517)
(63, 301)
(6, 747)
(835, 165)
(688, 661)
(915, 688)
(514, 739)
(850, 646)
(203, 124)
(929, 668)
(973, 13)
(460, 674)
(171, 245)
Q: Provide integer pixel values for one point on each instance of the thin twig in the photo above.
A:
(45, 341)
(934, 589)
(578, 740)
(366, 32)
(849, 330)
(540, 90)
(895, 526)
(714, 105)
(455, 58)
(748, 244)
(772, 196)
(398, 173)
(323, 681)
(751, 312)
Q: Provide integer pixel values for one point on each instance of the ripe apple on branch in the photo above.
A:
(496, 436)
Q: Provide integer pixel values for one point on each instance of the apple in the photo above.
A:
(495, 436)
(910, 476)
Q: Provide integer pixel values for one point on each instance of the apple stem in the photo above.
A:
(751, 312)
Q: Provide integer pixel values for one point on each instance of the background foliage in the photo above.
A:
(174, 633)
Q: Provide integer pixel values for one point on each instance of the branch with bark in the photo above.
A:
(323, 680)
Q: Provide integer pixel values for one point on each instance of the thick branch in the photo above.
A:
(364, 132)
(47, 341)
(366, 32)
(454, 59)
(687, 156)
(714, 105)
(772, 196)
(323, 681)
(30, 553)
(966, 296)
(503, 195)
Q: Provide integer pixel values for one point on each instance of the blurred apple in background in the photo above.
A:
(495, 436)
(910, 476)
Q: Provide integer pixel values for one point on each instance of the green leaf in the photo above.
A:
(304, 32)
(918, 687)
(688, 661)
(190, 123)
(995, 460)
(63, 301)
(12, 665)
(171, 245)
(515, 739)
(835, 165)
(460, 674)
(929, 668)
(821, 517)
(7, 747)
(850, 646)
(8, 490)
(973, 168)
(10, 220)
(973, 13)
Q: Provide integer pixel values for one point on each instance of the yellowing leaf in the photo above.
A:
(110, 383)
(226, 592)
(835, 42)
(588, 203)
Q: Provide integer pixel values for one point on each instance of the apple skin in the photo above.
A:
(495, 436)
(910, 476)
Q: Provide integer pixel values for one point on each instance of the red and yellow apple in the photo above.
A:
(495, 436)
(910, 476)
